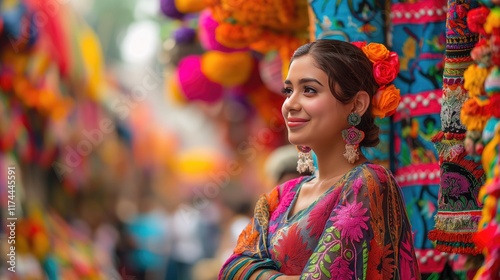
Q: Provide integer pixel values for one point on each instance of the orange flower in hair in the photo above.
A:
(375, 52)
(385, 70)
(386, 101)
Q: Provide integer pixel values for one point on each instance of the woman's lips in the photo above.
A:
(296, 122)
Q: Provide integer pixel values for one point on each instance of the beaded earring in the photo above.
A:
(352, 137)
(305, 161)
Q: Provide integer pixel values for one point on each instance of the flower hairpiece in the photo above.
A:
(385, 70)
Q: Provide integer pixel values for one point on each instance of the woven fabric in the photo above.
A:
(418, 36)
(461, 177)
(350, 20)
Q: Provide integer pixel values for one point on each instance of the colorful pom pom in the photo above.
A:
(194, 84)
(227, 69)
(184, 35)
(169, 9)
(207, 26)
(190, 6)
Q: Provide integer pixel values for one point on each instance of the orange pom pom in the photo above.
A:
(236, 36)
(228, 69)
(190, 6)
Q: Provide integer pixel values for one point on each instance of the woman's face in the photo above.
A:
(313, 116)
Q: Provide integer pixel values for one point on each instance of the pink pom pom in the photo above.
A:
(194, 84)
(207, 26)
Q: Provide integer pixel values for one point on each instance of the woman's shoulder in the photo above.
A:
(376, 171)
(369, 177)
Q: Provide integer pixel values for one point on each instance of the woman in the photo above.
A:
(348, 221)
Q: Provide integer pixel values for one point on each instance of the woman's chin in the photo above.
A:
(295, 141)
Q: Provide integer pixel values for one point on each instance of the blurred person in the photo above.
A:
(209, 229)
(148, 237)
(235, 209)
(281, 165)
(348, 220)
(237, 213)
(105, 241)
(187, 246)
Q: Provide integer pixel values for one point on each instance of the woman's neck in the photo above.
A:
(332, 163)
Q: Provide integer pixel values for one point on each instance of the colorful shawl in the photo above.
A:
(357, 229)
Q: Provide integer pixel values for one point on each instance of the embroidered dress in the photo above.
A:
(357, 229)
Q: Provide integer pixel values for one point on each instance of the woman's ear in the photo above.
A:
(361, 102)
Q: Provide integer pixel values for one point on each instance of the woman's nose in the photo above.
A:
(292, 102)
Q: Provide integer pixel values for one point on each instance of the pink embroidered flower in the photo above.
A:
(286, 198)
(319, 215)
(350, 220)
(406, 260)
(356, 185)
(284, 203)
(340, 269)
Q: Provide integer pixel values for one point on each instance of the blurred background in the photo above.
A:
(137, 135)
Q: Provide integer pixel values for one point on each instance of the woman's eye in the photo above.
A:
(286, 91)
(309, 90)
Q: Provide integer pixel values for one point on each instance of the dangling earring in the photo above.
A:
(305, 162)
(352, 137)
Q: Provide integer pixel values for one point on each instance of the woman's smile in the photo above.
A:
(296, 122)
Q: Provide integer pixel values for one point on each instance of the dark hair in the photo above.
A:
(349, 70)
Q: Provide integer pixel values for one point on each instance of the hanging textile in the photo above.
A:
(418, 36)
(461, 176)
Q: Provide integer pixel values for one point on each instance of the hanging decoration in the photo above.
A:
(481, 117)
(459, 209)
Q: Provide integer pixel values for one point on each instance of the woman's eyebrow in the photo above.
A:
(303, 81)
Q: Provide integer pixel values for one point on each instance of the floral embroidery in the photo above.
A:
(350, 220)
(292, 253)
(380, 261)
(283, 206)
(356, 185)
(340, 269)
(247, 240)
(321, 213)
(273, 199)
(347, 234)
(286, 198)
